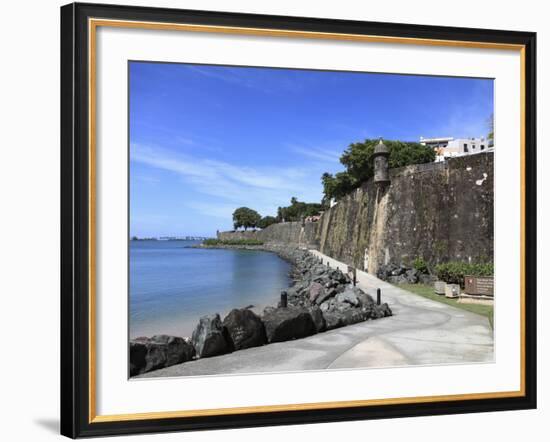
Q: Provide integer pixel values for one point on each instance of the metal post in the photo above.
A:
(354, 276)
(284, 299)
(378, 296)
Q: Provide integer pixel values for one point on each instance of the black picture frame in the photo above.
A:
(75, 219)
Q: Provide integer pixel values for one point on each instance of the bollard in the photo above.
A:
(378, 297)
(284, 299)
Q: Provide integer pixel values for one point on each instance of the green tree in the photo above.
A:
(357, 159)
(266, 221)
(298, 210)
(245, 217)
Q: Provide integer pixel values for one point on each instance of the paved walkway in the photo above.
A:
(421, 332)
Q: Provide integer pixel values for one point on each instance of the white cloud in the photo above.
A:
(317, 153)
(264, 188)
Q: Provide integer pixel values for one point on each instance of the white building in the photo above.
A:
(446, 147)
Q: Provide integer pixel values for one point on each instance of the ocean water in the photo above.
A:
(172, 285)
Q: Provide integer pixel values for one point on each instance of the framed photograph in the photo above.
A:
(273, 220)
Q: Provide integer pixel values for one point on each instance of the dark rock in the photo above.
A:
(386, 309)
(412, 276)
(365, 300)
(333, 320)
(327, 294)
(318, 319)
(245, 329)
(210, 337)
(146, 356)
(177, 349)
(354, 316)
(284, 324)
(401, 279)
(385, 271)
(138, 352)
(381, 311)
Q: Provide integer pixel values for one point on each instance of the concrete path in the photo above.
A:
(421, 332)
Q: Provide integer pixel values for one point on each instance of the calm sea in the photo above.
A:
(172, 285)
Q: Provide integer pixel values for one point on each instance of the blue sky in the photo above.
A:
(205, 140)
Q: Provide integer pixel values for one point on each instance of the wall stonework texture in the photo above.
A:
(437, 211)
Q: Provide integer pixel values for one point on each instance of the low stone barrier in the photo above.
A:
(402, 274)
(321, 298)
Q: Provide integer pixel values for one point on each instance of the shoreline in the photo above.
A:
(318, 298)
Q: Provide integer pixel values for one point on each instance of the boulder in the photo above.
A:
(326, 306)
(333, 320)
(401, 279)
(284, 324)
(397, 271)
(318, 319)
(138, 353)
(146, 355)
(245, 329)
(354, 316)
(365, 300)
(210, 337)
(326, 294)
(412, 276)
(380, 311)
(177, 350)
(315, 289)
(348, 297)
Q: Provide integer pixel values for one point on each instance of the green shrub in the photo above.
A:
(420, 265)
(232, 242)
(453, 272)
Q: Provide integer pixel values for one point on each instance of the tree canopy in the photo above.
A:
(357, 159)
(298, 210)
(245, 217)
(266, 221)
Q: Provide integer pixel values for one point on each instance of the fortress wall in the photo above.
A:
(437, 211)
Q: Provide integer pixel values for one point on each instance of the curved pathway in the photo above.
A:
(421, 332)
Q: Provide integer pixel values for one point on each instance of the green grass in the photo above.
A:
(427, 291)
(232, 242)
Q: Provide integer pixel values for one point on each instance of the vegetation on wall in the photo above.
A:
(298, 210)
(357, 159)
(266, 221)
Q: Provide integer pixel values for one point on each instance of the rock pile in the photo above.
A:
(321, 298)
(401, 274)
(147, 354)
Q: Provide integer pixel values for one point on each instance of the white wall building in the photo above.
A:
(446, 147)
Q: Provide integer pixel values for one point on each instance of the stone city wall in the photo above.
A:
(437, 211)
